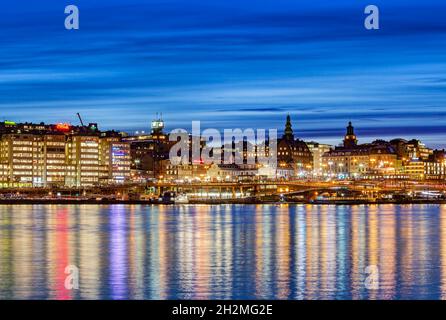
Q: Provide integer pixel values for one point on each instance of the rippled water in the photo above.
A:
(223, 252)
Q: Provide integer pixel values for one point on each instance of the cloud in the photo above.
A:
(227, 63)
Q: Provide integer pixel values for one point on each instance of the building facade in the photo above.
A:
(149, 151)
(39, 155)
(317, 151)
(32, 160)
(294, 153)
(353, 160)
(82, 161)
(114, 160)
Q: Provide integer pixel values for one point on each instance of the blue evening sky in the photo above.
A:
(229, 63)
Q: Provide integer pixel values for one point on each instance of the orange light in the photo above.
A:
(62, 127)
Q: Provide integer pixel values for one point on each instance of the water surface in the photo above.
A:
(223, 252)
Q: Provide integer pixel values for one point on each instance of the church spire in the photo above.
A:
(288, 129)
(350, 129)
(350, 140)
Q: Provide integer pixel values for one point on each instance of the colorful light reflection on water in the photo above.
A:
(223, 252)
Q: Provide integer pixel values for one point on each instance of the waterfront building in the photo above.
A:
(414, 169)
(19, 154)
(232, 172)
(418, 161)
(247, 151)
(4, 175)
(436, 167)
(32, 160)
(192, 172)
(169, 170)
(431, 168)
(114, 159)
(317, 151)
(185, 172)
(412, 150)
(82, 161)
(353, 160)
(434, 170)
(285, 171)
(40, 155)
(425, 170)
(292, 152)
(54, 161)
(266, 171)
(149, 151)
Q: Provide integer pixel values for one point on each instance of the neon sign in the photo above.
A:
(63, 127)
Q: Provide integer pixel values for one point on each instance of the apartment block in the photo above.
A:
(82, 154)
(40, 155)
(32, 160)
(114, 160)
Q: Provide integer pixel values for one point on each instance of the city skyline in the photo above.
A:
(364, 137)
(217, 156)
(228, 63)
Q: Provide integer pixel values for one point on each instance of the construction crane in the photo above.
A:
(79, 116)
